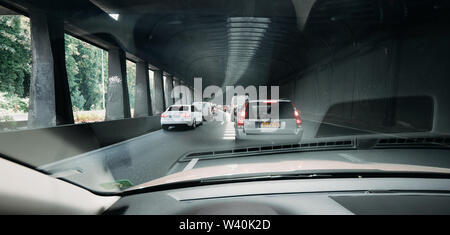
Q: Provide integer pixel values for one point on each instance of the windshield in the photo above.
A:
(89, 89)
(267, 110)
(178, 108)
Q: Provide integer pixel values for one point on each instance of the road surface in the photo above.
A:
(150, 156)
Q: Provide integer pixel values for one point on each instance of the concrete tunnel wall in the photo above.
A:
(417, 64)
(46, 145)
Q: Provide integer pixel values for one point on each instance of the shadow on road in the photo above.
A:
(179, 128)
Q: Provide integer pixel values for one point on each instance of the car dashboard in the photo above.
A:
(296, 196)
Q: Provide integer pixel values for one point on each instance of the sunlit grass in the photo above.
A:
(89, 116)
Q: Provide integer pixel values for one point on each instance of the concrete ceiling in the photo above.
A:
(226, 42)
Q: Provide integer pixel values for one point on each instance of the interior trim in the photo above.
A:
(27, 191)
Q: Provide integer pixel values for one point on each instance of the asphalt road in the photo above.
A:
(150, 156)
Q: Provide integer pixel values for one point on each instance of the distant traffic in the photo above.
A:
(262, 120)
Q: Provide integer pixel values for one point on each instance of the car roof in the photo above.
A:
(279, 100)
(178, 105)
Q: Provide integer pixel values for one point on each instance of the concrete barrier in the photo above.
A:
(42, 146)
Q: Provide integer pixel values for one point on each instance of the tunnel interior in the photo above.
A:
(256, 42)
(364, 64)
(239, 42)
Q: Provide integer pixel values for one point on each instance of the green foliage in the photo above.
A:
(83, 65)
(15, 66)
(131, 81)
(12, 103)
(15, 55)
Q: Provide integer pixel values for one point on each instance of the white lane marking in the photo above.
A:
(349, 157)
(191, 164)
(228, 138)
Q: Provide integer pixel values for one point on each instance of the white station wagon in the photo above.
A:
(186, 115)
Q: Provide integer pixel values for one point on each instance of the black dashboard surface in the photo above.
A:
(411, 204)
(318, 196)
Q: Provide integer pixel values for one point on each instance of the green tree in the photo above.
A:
(15, 55)
(83, 64)
(89, 63)
(131, 81)
(71, 50)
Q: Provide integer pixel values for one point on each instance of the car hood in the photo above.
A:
(285, 167)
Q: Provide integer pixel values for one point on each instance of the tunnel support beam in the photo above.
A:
(159, 92)
(118, 101)
(176, 87)
(142, 102)
(42, 93)
(50, 102)
(184, 98)
(64, 112)
(192, 95)
(168, 86)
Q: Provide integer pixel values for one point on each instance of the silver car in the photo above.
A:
(268, 120)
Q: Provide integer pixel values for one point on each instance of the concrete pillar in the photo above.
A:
(64, 112)
(142, 100)
(152, 91)
(42, 105)
(118, 101)
(189, 94)
(159, 91)
(176, 88)
(191, 100)
(185, 97)
(168, 87)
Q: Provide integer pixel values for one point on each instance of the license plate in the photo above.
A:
(270, 125)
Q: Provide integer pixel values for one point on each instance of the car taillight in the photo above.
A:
(298, 120)
(163, 115)
(241, 118)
